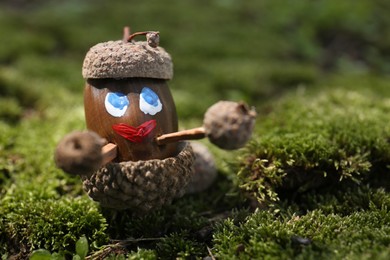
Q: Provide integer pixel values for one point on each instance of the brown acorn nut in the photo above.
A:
(125, 70)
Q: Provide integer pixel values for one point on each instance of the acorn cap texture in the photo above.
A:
(79, 153)
(229, 124)
(141, 186)
(119, 59)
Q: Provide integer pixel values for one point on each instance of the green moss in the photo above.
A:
(314, 235)
(13, 87)
(178, 245)
(142, 254)
(340, 201)
(45, 220)
(309, 141)
(10, 110)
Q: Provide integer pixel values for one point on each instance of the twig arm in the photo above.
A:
(190, 134)
(109, 153)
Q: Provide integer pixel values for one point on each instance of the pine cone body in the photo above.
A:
(142, 186)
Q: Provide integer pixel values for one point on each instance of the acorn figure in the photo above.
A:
(133, 157)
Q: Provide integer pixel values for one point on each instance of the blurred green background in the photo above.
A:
(307, 66)
(225, 49)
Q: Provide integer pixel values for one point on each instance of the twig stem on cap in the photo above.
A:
(190, 134)
(152, 37)
(131, 36)
(126, 33)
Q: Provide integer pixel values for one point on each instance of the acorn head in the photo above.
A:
(127, 100)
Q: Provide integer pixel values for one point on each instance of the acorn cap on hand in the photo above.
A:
(228, 124)
(79, 153)
(122, 59)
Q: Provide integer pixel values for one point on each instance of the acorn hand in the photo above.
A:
(227, 124)
(82, 153)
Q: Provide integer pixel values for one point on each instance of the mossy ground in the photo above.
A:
(312, 183)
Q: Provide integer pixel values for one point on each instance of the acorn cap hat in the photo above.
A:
(123, 59)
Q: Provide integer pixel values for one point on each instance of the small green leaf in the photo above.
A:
(57, 256)
(76, 257)
(40, 254)
(82, 247)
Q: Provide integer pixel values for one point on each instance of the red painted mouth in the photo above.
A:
(135, 134)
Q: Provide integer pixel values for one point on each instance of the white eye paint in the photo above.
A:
(116, 103)
(149, 102)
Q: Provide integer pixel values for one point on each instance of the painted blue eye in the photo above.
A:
(149, 96)
(149, 102)
(116, 103)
